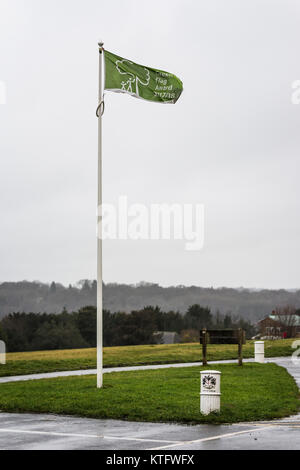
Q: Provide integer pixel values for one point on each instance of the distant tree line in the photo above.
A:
(253, 305)
(36, 331)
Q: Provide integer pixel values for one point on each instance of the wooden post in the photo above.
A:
(204, 346)
(240, 346)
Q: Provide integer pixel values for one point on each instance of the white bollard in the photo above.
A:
(210, 396)
(259, 349)
(2, 353)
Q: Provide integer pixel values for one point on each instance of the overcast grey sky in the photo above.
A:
(231, 142)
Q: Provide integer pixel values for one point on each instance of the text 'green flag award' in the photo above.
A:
(124, 76)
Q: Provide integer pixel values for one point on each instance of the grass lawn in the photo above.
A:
(249, 393)
(76, 359)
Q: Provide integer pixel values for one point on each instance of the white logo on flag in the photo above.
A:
(128, 85)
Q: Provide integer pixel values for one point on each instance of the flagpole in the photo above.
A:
(99, 236)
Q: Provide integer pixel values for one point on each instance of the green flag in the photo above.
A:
(124, 76)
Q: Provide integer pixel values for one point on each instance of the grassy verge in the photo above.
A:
(76, 359)
(249, 393)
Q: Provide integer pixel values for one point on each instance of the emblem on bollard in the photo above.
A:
(209, 382)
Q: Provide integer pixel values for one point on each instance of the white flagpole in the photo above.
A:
(99, 241)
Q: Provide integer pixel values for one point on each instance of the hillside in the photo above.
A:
(38, 297)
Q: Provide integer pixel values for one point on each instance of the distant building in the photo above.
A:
(279, 326)
(166, 337)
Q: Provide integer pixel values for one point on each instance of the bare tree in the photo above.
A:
(287, 317)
